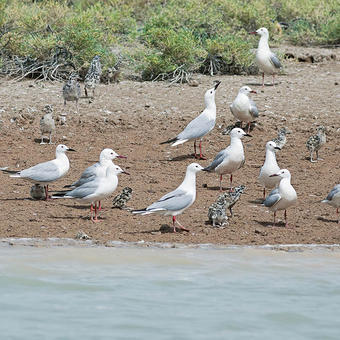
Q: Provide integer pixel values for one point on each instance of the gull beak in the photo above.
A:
(277, 148)
(252, 91)
(120, 156)
(69, 149)
(126, 173)
(273, 175)
(247, 135)
(216, 85)
(254, 32)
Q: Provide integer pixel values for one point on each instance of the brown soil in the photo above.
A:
(133, 118)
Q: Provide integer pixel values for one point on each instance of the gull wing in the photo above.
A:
(272, 198)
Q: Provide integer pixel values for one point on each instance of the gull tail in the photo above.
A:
(170, 141)
(68, 186)
(13, 172)
(60, 194)
(140, 211)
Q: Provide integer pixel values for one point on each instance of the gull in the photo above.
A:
(47, 125)
(92, 78)
(47, 172)
(95, 190)
(281, 138)
(230, 159)
(266, 60)
(314, 143)
(283, 196)
(175, 202)
(201, 125)
(71, 89)
(269, 167)
(96, 170)
(333, 199)
(243, 108)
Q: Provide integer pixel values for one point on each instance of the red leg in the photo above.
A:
(264, 193)
(180, 226)
(248, 127)
(195, 154)
(231, 182)
(46, 193)
(99, 206)
(263, 79)
(274, 218)
(286, 223)
(201, 155)
(220, 182)
(95, 219)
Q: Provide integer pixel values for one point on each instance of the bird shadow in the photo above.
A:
(78, 207)
(181, 158)
(164, 229)
(260, 84)
(256, 201)
(323, 219)
(19, 199)
(270, 224)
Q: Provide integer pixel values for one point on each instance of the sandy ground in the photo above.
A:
(133, 118)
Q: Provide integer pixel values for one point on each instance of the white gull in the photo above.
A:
(333, 199)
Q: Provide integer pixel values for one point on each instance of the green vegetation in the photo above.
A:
(156, 39)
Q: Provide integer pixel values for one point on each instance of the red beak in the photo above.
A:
(120, 156)
(252, 91)
(253, 32)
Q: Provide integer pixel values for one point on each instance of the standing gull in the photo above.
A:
(314, 143)
(269, 168)
(47, 124)
(243, 108)
(95, 190)
(175, 202)
(47, 172)
(282, 197)
(266, 60)
(230, 159)
(71, 89)
(201, 125)
(333, 199)
(96, 170)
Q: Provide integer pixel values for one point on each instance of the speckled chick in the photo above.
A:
(71, 89)
(120, 200)
(281, 138)
(47, 124)
(92, 78)
(314, 143)
(216, 213)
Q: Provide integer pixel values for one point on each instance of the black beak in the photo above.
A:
(216, 85)
(71, 149)
(273, 175)
(126, 173)
(248, 135)
(277, 148)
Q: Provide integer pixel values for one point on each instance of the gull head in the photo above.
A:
(194, 167)
(246, 90)
(284, 173)
(115, 170)
(48, 109)
(261, 31)
(272, 146)
(209, 96)
(109, 154)
(61, 148)
(321, 129)
(238, 133)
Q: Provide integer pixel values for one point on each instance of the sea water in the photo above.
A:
(133, 292)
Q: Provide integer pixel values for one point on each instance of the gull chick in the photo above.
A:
(314, 143)
(178, 200)
(201, 125)
(47, 172)
(92, 78)
(269, 168)
(216, 212)
(230, 159)
(333, 199)
(232, 197)
(282, 197)
(95, 190)
(71, 89)
(47, 124)
(243, 108)
(266, 60)
(120, 200)
(281, 138)
(37, 192)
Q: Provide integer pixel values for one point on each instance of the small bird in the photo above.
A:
(314, 143)
(71, 89)
(95, 190)
(47, 125)
(333, 199)
(37, 192)
(266, 60)
(120, 200)
(281, 138)
(282, 197)
(47, 172)
(269, 167)
(178, 200)
(92, 78)
(216, 213)
(230, 159)
(201, 125)
(232, 197)
(96, 170)
(243, 108)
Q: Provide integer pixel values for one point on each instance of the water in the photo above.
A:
(153, 293)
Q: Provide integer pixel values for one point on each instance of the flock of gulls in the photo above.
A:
(101, 179)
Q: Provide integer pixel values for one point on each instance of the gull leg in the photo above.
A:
(274, 218)
(46, 193)
(262, 79)
(286, 222)
(180, 226)
(220, 182)
(95, 219)
(274, 80)
(337, 215)
(50, 142)
(231, 182)
(195, 154)
(77, 106)
(99, 206)
(201, 156)
(317, 156)
(42, 140)
(264, 193)
(311, 157)
(85, 91)
(248, 127)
